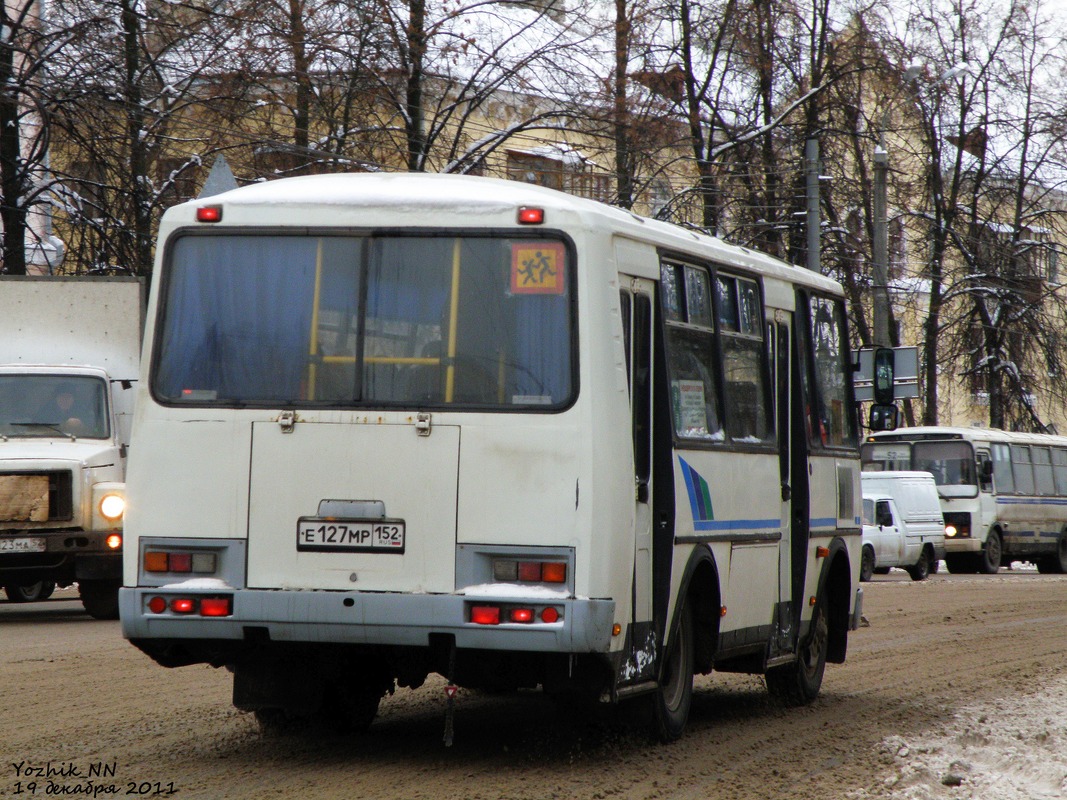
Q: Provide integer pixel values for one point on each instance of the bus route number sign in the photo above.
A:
(328, 535)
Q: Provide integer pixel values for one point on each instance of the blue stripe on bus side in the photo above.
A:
(755, 524)
(687, 473)
(1036, 501)
(736, 524)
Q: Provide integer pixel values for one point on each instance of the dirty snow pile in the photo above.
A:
(1010, 749)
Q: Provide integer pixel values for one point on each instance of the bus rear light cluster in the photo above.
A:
(180, 561)
(509, 571)
(192, 606)
(526, 615)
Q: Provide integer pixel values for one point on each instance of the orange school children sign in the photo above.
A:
(538, 268)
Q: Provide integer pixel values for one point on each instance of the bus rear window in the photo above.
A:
(418, 321)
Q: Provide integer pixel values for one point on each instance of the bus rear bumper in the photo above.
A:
(380, 618)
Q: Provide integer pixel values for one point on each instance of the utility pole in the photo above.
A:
(880, 256)
(814, 223)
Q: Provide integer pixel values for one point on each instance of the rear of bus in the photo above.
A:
(360, 452)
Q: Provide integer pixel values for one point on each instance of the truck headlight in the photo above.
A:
(112, 507)
(950, 531)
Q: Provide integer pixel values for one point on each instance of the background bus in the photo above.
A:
(1003, 495)
(401, 424)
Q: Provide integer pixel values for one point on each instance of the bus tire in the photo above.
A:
(799, 683)
(992, 552)
(1055, 563)
(959, 563)
(100, 598)
(674, 697)
(29, 592)
(920, 570)
(867, 563)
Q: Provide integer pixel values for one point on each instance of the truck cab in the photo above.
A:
(66, 407)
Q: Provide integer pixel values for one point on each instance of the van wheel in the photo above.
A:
(799, 683)
(920, 571)
(989, 559)
(866, 563)
(674, 697)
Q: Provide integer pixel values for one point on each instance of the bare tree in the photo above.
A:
(989, 125)
(132, 132)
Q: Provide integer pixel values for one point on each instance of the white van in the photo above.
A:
(902, 524)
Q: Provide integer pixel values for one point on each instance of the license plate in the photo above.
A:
(350, 535)
(33, 545)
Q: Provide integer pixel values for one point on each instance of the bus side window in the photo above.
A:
(985, 472)
(1002, 476)
(1059, 469)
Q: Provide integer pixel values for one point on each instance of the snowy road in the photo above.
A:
(956, 690)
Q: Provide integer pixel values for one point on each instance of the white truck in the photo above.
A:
(902, 524)
(69, 356)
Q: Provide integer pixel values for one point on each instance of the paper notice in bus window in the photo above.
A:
(690, 408)
(538, 268)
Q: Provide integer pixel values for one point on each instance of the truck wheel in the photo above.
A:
(920, 570)
(100, 598)
(798, 683)
(29, 592)
(989, 559)
(867, 563)
(672, 700)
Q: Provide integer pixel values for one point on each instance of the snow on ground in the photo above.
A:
(1010, 749)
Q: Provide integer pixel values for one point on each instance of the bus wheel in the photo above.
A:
(672, 700)
(920, 571)
(799, 683)
(867, 563)
(989, 559)
(1055, 563)
(100, 598)
(351, 709)
(959, 564)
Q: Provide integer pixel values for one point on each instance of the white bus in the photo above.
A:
(1003, 495)
(395, 425)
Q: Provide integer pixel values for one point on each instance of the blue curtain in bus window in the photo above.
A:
(237, 319)
(538, 316)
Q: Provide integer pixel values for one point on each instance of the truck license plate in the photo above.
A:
(316, 534)
(31, 545)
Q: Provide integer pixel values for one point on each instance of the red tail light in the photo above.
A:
(216, 607)
(183, 605)
(521, 615)
(485, 615)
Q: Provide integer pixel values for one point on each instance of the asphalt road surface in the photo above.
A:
(954, 690)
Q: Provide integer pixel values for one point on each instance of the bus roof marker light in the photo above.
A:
(209, 214)
(531, 216)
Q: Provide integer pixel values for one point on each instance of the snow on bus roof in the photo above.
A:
(480, 196)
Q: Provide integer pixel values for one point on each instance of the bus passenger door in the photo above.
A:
(779, 340)
(637, 324)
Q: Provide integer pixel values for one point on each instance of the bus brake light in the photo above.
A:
(531, 216)
(485, 615)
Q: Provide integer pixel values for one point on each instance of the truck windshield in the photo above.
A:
(38, 405)
(417, 321)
